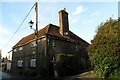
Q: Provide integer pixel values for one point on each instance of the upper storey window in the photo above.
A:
(20, 48)
(14, 50)
(33, 44)
(53, 43)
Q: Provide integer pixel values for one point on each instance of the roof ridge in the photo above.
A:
(30, 36)
(48, 28)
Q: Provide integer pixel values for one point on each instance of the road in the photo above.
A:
(10, 76)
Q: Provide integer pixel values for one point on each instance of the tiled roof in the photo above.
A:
(54, 30)
(32, 36)
(51, 30)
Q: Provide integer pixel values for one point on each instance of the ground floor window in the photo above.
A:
(83, 61)
(33, 63)
(20, 63)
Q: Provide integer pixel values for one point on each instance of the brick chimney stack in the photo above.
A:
(63, 22)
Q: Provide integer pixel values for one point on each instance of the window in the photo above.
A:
(48, 39)
(33, 44)
(33, 63)
(14, 50)
(33, 52)
(21, 48)
(20, 63)
(53, 59)
(83, 61)
(53, 43)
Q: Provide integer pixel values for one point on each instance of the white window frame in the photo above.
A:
(33, 63)
(53, 43)
(83, 61)
(20, 63)
(20, 48)
(33, 52)
(15, 50)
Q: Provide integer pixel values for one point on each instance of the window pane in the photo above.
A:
(15, 50)
(33, 63)
(20, 63)
(21, 48)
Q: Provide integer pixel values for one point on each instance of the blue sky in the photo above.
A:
(84, 17)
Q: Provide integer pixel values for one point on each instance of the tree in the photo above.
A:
(104, 51)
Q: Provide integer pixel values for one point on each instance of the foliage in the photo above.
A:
(104, 50)
(67, 64)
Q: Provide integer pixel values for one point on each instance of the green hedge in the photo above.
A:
(104, 50)
(67, 64)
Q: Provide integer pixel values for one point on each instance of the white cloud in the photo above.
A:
(78, 10)
(97, 13)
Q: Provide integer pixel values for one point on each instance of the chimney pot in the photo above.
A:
(65, 9)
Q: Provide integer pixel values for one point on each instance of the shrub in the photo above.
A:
(104, 51)
(67, 64)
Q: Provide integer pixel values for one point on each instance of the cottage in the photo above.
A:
(5, 64)
(52, 40)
